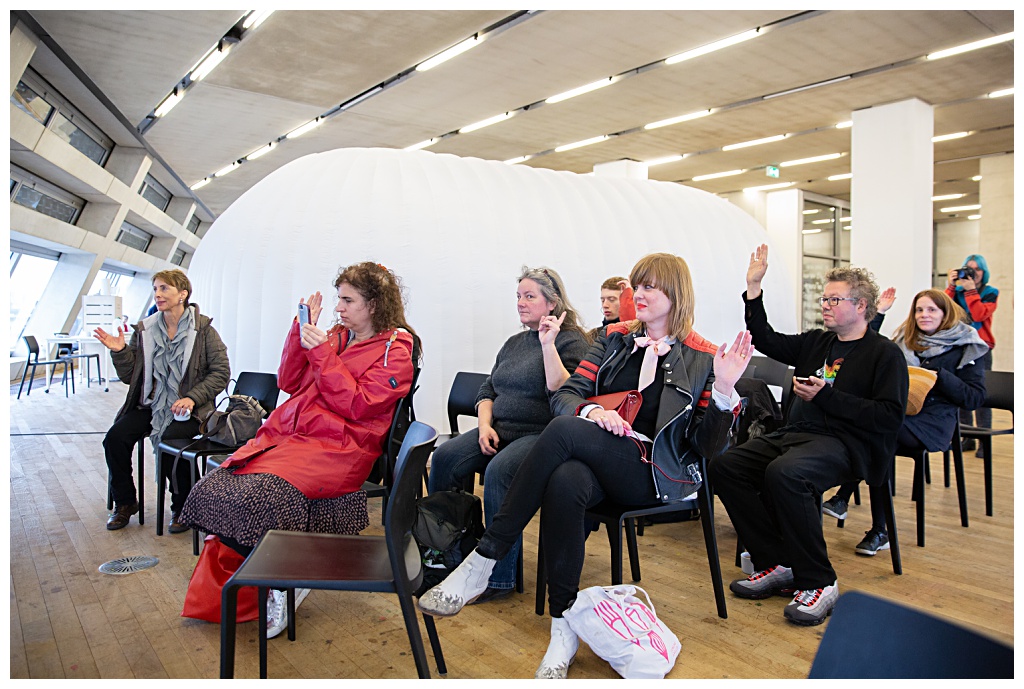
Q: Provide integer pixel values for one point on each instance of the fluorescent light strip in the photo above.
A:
(485, 123)
(255, 18)
(259, 152)
(359, 99)
(807, 88)
(422, 144)
(948, 197)
(454, 51)
(846, 219)
(994, 40)
(712, 47)
(814, 159)
(950, 137)
(814, 230)
(200, 184)
(836, 178)
(844, 125)
(716, 175)
(662, 161)
(581, 144)
(755, 142)
(770, 187)
(823, 221)
(976, 216)
(516, 160)
(295, 133)
(812, 211)
(207, 65)
(677, 120)
(976, 178)
(227, 169)
(600, 84)
(957, 209)
(168, 103)
(1001, 93)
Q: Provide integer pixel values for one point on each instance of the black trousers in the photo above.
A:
(573, 465)
(771, 487)
(119, 446)
(904, 441)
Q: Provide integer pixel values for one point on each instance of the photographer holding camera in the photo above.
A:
(968, 287)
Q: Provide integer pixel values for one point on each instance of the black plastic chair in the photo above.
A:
(873, 638)
(33, 362)
(287, 560)
(776, 373)
(263, 387)
(617, 517)
(999, 395)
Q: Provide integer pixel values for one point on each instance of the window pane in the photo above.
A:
(38, 201)
(66, 129)
(28, 281)
(134, 237)
(178, 257)
(155, 193)
(193, 224)
(31, 102)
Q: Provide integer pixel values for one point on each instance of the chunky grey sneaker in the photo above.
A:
(835, 507)
(777, 580)
(812, 606)
(873, 542)
(461, 587)
(561, 651)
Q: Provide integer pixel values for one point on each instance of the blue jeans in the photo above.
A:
(460, 458)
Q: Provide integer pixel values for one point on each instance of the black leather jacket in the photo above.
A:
(689, 423)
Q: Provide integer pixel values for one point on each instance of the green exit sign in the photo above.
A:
(772, 171)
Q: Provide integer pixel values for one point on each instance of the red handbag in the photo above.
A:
(216, 564)
(626, 403)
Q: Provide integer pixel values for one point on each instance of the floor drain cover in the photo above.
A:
(127, 565)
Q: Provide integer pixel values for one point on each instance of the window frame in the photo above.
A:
(23, 178)
(151, 182)
(135, 231)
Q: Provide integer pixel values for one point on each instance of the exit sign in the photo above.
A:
(772, 171)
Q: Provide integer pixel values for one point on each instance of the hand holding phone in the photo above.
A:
(803, 380)
(303, 314)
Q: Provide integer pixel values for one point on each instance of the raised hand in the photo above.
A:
(886, 299)
(549, 328)
(114, 343)
(315, 303)
(756, 269)
(730, 363)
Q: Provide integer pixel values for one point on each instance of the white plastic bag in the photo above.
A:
(621, 629)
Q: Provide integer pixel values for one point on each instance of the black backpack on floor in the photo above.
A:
(448, 525)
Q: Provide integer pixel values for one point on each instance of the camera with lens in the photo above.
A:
(965, 273)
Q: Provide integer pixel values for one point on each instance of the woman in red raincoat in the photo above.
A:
(304, 469)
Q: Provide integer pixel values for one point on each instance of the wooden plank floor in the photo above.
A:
(69, 620)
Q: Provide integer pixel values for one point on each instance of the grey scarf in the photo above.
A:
(168, 368)
(941, 341)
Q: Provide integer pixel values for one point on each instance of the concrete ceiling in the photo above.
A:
(300, 64)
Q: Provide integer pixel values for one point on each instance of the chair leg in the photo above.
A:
(882, 493)
(958, 471)
(261, 603)
(739, 553)
(707, 521)
(290, 597)
(32, 378)
(927, 470)
(412, 628)
(160, 487)
(228, 611)
(856, 494)
(986, 448)
(519, 570)
(435, 645)
(615, 545)
(918, 496)
(542, 577)
(140, 449)
(945, 468)
(634, 554)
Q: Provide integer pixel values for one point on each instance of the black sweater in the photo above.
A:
(864, 408)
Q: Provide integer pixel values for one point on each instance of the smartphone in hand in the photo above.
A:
(802, 380)
(303, 314)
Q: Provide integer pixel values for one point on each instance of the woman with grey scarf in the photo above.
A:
(175, 365)
(935, 336)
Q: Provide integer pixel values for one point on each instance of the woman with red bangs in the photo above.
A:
(588, 453)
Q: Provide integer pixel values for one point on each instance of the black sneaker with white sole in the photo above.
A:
(873, 542)
(835, 507)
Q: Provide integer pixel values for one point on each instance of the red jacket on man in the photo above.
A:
(326, 437)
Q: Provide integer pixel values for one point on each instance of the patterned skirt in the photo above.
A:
(246, 506)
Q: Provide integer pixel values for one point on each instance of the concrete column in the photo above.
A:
(630, 169)
(783, 221)
(180, 209)
(996, 245)
(23, 47)
(61, 301)
(130, 165)
(891, 190)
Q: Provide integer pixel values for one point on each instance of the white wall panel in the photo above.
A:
(458, 230)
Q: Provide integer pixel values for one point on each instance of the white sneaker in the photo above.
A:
(277, 610)
(561, 651)
(460, 588)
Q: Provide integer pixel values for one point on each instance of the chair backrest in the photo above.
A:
(999, 390)
(33, 347)
(400, 513)
(262, 386)
(872, 638)
(462, 397)
(776, 373)
(401, 421)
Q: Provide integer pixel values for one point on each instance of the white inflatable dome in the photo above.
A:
(457, 231)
